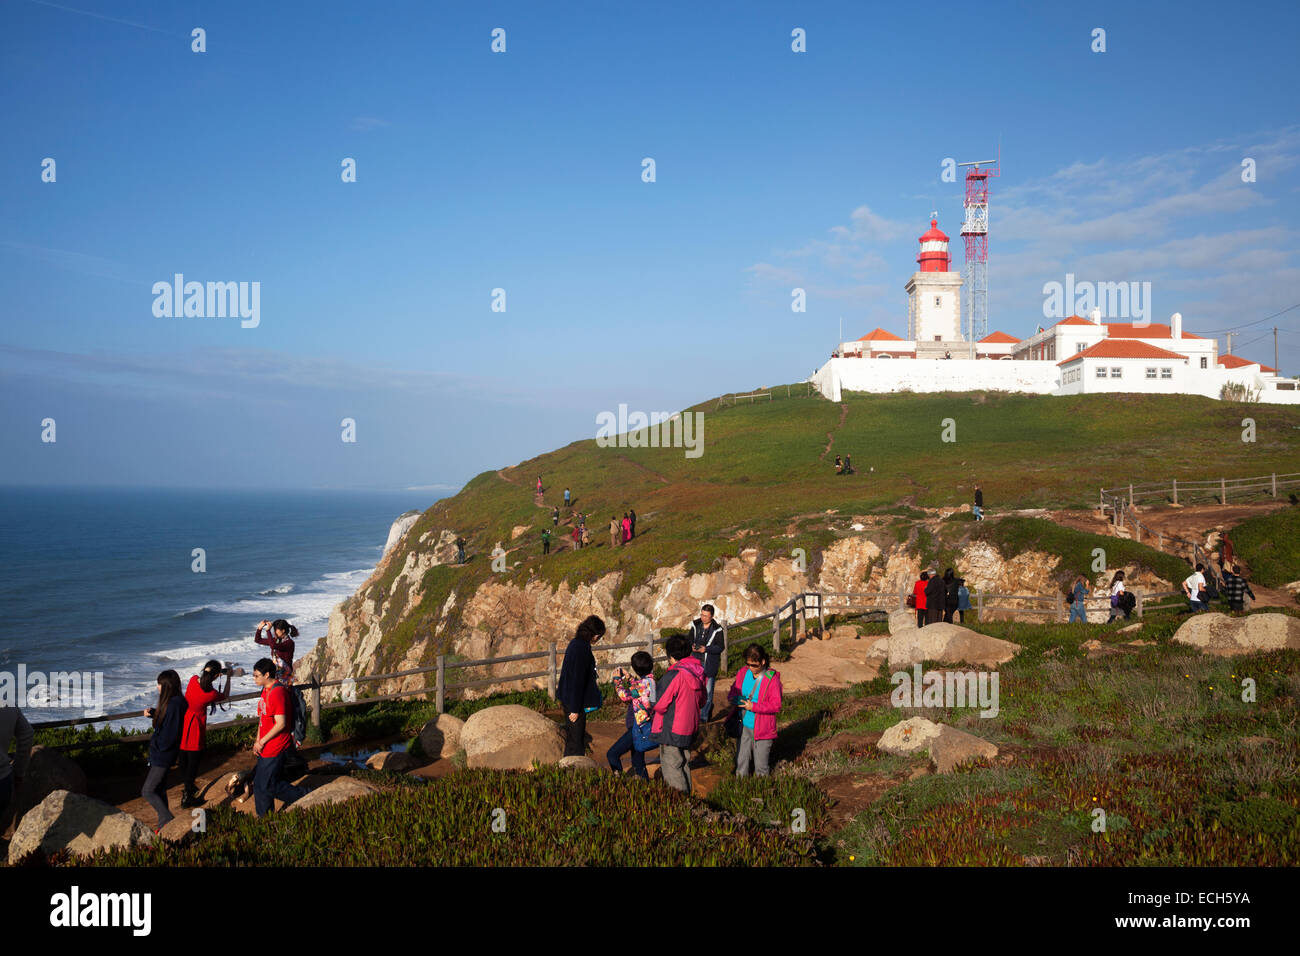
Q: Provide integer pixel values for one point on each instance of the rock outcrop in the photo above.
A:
(402, 525)
(510, 737)
(338, 790)
(1226, 636)
(948, 747)
(440, 737)
(949, 643)
(75, 822)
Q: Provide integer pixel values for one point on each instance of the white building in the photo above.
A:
(1074, 356)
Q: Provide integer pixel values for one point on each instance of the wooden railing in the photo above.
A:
(793, 612)
(1216, 489)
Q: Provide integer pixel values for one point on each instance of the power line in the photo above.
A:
(1247, 325)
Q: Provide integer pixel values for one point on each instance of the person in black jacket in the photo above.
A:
(578, 689)
(934, 598)
(165, 744)
(979, 504)
(1235, 588)
(950, 585)
(706, 643)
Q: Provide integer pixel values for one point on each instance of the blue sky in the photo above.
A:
(522, 171)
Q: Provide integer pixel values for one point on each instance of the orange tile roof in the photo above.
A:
(1073, 320)
(1123, 350)
(999, 337)
(1236, 361)
(879, 333)
(1155, 330)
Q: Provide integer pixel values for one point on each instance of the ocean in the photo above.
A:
(102, 581)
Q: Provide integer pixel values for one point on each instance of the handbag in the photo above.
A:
(911, 601)
(641, 739)
(1114, 600)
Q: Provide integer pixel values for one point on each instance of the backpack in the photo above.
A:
(299, 715)
(1128, 600)
(1211, 588)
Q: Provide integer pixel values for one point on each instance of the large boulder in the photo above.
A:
(440, 737)
(578, 763)
(510, 737)
(75, 822)
(336, 791)
(902, 619)
(47, 771)
(908, 736)
(948, 746)
(954, 747)
(949, 644)
(394, 761)
(1226, 636)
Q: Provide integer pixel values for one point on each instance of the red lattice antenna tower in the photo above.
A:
(975, 231)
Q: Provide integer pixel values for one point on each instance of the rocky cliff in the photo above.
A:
(404, 615)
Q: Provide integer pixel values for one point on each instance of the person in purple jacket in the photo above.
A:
(678, 699)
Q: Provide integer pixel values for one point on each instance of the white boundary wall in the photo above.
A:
(934, 375)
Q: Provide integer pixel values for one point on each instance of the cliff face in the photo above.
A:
(500, 618)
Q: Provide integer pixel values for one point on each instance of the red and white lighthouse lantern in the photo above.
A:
(934, 250)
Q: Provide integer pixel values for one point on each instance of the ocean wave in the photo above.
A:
(282, 589)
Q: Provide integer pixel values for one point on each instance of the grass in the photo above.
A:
(762, 469)
(1270, 546)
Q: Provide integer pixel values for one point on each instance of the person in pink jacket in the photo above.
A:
(678, 700)
(756, 693)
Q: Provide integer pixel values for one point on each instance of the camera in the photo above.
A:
(231, 671)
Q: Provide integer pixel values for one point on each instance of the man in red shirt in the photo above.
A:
(274, 741)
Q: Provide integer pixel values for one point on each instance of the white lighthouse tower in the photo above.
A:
(934, 299)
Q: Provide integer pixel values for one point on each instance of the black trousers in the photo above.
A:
(189, 766)
(575, 736)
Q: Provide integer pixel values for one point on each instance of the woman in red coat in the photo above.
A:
(200, 696)
(918, 595)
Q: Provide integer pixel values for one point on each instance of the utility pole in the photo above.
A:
(1229, 338)
(1275, 365)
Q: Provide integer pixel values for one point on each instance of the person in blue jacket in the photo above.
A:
(165, 744)
(578, 687)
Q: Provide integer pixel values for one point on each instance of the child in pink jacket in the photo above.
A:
(756, 693)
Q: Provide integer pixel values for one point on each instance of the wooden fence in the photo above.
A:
(794, 612)
(1215, 489)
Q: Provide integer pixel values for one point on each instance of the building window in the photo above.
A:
(1166, 373)
(938, 301)
(1101, 371)
(1079, 347)
(1205, 362)
(1151, 372)
(1116, 372)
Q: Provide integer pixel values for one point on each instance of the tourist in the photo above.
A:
(539, 486)
(934, 597)
(839, 465)
(756, 691)
(274, 741)
(1078, 595)
(706, 636)
(200, 697)
(963, 600)
(586, 536)
(1225, 550)
(165, 744)
(576, 536)
(949, 595)
(546, 541)
(578, 688)
(615, 532)
(1118, 597)
(13, 726)
(848, 464)
(1194, 587)
(627, 528)
(918, 598)
(1235, 587)
(632, 527)
(555, 517)
(278, 639)
(639, 694)
(460, 550)
(675, 726)
(979, 504)
(566, 498)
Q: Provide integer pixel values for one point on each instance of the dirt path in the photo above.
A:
(830, 436)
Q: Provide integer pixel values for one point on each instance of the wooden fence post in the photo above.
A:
(1130, 495)
(725, 649)
(1060, 605)
(315, 701)
(1161, 539)
(1223, 491)
(1175, 491)
(440, 685)
(1274, 484)
(803, 614)
(1137, 530)
(979, 606)
(821, 614)
(1138, 594)
(550, 670)
(776, 630)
